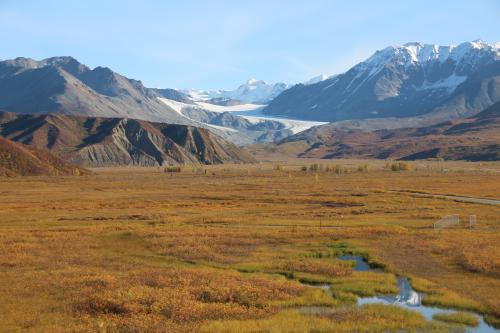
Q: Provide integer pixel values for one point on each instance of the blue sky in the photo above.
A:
(222, 43)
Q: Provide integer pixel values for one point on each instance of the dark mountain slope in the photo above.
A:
(94, 142)
(63, 85)
(476, 138)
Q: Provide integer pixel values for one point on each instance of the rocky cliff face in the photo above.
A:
(97, 142)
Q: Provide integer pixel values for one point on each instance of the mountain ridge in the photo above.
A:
(411, 85)
(475, 138)
(401, 81)
(97, 141)
(64, 85)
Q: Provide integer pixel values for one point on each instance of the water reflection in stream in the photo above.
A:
(410, 299)
(360, 264)
(407, 298)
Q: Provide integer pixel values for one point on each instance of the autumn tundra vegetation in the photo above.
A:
(242, 248)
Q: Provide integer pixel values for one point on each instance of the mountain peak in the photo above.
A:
(417, 52)
(401, 81)
(22, 62)
(253, 81)
(479, 43)
(60, 60)
(252, 91)
(413, 44)
(63, 85)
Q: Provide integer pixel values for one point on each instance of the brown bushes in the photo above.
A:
(172, 169)
(482, 258)
(95, 305)
(188, 295)
(399, 166)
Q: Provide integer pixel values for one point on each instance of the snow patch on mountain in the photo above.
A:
(174, 105)
(294, 125)
(231, 108)
(450, 83)
(317, 79)
(253, 92)
(250, 112)
(424, 57)
(424, 53)
(178, 106)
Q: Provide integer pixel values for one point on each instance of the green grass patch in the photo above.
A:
(311, 297)
(441, 297)
(366, 284)
(462, 318)
(344, 297)
(492, 321)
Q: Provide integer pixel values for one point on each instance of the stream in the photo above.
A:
(407, 298)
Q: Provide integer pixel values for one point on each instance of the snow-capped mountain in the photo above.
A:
(401, 81)
(253, 91)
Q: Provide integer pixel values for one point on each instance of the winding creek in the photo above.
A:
(407, 298)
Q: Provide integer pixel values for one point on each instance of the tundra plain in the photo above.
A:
(225, 248)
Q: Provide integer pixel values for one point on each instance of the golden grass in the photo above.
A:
(312, 297)
(369, 318)
(462, 318)
(137, 250)
(331, 268)
(366, 284)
